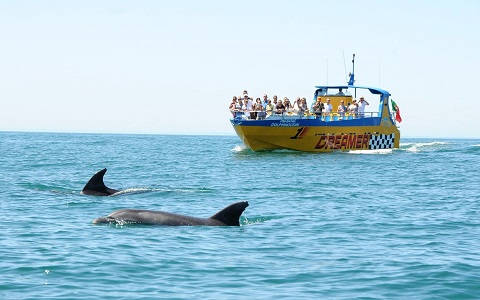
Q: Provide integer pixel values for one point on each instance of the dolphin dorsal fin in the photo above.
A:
(230, 215)
(96, 184)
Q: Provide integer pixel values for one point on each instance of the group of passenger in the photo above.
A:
(355, 108)
(260, 109)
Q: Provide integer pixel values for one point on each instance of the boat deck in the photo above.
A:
(326, 117)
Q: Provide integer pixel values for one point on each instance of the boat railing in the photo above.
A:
(324, 116)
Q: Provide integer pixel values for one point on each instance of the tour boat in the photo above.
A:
(328, 131)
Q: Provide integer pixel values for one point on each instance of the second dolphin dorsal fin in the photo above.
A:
(230, 215)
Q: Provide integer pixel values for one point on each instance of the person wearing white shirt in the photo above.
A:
(248, 106)
(353, 108)
(328, 106)
(361, 107)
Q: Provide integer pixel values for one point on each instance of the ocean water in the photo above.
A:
(401, 224)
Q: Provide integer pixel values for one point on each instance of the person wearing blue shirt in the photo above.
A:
(265, 101)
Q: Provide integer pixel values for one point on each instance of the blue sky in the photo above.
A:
(173, 66)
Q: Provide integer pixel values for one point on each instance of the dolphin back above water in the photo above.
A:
(96, 187)
(229, 216)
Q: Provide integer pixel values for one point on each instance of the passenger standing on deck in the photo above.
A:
(243, 108)
(296, 105)
(245, 100)
(265, 101)
(302, 107)
(288, 105)
(269, 108)
(314, 103)
(248, 105)
(274, 100)
(341, 109)
(280, 108)
(361, 107)
(328, 106)
(233, 107)
(238, 106)
(258, 112)
(317, 107)
(299, 107)
(353, 108)
(340, 92)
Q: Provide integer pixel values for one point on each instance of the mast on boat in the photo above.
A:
(351, 81)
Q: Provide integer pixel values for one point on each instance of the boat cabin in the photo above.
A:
(335, 94)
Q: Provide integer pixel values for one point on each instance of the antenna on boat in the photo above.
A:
(352, 74)
(344, 65)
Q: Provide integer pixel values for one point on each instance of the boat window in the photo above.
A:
(320, 92)
(337, 92)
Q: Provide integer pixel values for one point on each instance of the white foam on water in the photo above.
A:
(376, 151)
(132, 190)
(415, 147)
(239, 148)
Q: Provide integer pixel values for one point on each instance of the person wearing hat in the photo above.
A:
(317, 107)
(361, 107)
(315, 102)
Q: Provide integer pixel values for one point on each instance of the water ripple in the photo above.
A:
(403, 224)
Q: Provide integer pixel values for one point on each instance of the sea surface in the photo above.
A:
(401, 224)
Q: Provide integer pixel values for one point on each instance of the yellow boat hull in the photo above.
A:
(319, 138)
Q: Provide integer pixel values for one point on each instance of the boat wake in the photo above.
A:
(377, 151)
(417, 147)
(240, 148)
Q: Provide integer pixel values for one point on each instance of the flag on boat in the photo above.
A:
(396, 109)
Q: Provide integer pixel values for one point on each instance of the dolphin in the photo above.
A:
(229, 216)
(96, 187)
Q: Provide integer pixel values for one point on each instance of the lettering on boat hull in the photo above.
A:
(352, 141)
(285, 123)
